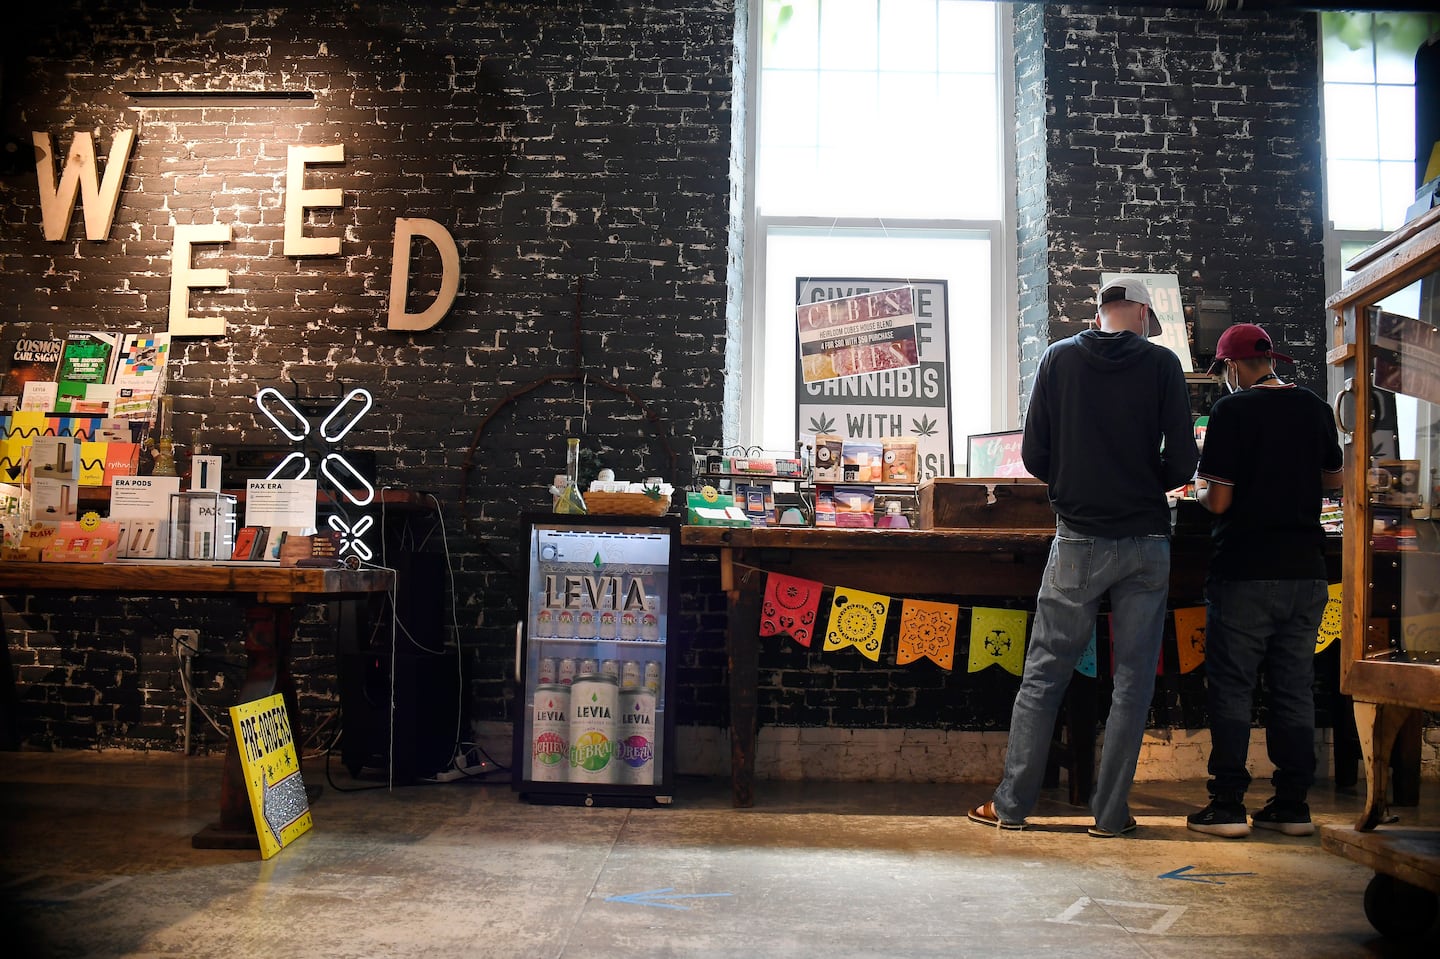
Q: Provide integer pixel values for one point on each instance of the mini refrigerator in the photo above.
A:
(595, 659)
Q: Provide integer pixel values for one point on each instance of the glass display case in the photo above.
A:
(595, 660)
(1385, 325)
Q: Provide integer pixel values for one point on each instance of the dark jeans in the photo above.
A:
(1252, 625)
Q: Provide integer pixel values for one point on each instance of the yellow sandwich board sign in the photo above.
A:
(271, 769)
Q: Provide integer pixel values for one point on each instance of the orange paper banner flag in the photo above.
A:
(857, 618)
(997, 636)
(790, 606)
(1190, 637)
(1329, 620)
(927, 631)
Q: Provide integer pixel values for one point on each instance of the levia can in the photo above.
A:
(594, 708)
(635, 735)
(550, 735)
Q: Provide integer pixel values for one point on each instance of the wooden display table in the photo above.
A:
(268, 591)
(950, 562)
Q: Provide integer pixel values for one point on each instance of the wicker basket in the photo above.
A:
(626, 504)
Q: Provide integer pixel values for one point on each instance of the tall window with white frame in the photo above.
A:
(1368, 70)
(880, 156)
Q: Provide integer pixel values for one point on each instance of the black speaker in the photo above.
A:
(417, 702)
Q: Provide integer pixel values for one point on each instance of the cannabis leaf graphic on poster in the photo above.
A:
(924, 426)
(822, 424)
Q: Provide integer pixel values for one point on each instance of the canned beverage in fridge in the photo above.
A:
(594, 704)
(607, 624)
(544, 621)
(547, 673)
(629, 674)
(629, 624)
(587, 667)
(585, 623)
(611, 668)
(649, 626)
(565, 623)
(635, 738)
(550, 736)
(652, 675)
(565, 671)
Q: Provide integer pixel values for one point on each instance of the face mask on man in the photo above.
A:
(1231, 386)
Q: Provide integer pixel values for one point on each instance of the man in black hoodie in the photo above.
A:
(1109, 430)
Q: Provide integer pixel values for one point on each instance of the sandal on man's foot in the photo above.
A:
(986, 815)
(1101, 833)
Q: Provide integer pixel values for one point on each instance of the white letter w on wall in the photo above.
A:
(99, 198)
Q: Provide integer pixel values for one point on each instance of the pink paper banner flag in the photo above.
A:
(857, 618)
(790, 606)
(927, 631)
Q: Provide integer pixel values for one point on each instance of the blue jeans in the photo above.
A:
(1251, 625)
(1135, 571)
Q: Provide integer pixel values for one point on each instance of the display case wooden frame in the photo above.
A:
(1384, 573)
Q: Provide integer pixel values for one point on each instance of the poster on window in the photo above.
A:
(906, 401)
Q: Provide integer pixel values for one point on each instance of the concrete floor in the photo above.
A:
(97, 862)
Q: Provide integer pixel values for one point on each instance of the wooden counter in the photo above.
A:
(266, 590)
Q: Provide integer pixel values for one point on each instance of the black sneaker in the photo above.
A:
(1285, 816)
(1221, 819)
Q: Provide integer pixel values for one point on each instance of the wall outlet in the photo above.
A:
(187, 642)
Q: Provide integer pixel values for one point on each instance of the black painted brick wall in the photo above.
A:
(567, 143)
(571, 149)
(1174, 142)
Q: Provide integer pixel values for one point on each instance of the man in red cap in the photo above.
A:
(1271, 451)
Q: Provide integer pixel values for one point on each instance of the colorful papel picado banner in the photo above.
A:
(1088, 665)
(997, 636)
(927, 631)
(1190, 637)
(791, 606)
(857, 618)
(1330, 621)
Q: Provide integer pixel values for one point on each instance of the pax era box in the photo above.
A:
(978, 502)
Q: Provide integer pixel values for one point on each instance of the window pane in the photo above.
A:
(1353, 194)
(1395, 116)
(1349, 54)
(791, 105)
(786, 180)
(847, 35)
(1350, 122)
(792, 43)
(1397, 37)
(967, 36)
(1397, 192)
(907, 35)
(848, 113)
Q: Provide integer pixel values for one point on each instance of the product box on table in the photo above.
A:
(980, 502)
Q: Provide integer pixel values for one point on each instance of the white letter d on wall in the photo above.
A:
(405, 229)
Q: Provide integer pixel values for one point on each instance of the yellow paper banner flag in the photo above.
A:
(857, 618)
(1329, 620)
(927, 631)
(997, 636)
(1190, 636)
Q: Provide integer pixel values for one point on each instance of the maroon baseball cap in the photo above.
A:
(1242, 342)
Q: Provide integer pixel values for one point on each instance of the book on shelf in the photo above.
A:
(31, 360)
(139, 374)
(87, 362)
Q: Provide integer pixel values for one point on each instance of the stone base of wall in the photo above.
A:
(939, 756)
